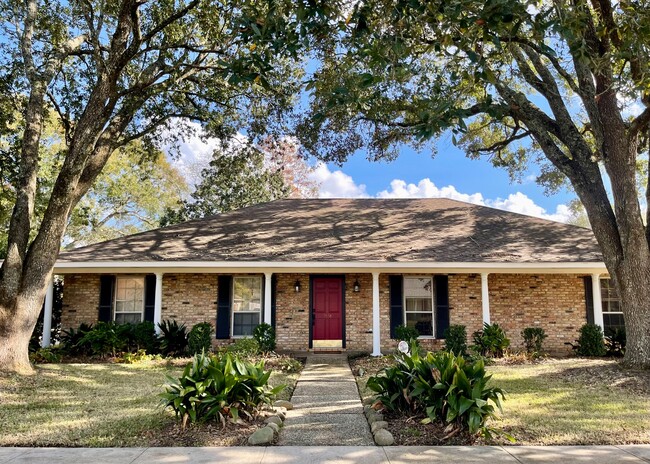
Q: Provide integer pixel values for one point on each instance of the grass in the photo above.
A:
(572, 402)
(90, 405)
(567, 401)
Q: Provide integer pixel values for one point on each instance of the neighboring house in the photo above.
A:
(342, 274)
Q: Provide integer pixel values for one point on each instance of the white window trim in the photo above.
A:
(603, 300)
(232, 304)
(117, 279)
(433, 305)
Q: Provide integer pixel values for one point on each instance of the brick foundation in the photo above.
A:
(553, 302)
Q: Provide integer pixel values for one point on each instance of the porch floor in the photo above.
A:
(327, 409)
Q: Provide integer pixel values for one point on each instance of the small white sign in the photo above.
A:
(403, 347)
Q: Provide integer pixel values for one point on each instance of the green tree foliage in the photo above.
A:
(116, 72)
(562, 84)
(235, 178)
(241, 175)
(130, 195)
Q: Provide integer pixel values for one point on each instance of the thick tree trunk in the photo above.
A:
(16, 331)
(633, 283)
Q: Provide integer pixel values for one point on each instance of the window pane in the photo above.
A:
(612, 322)
(422, 322)
(247, 294)
(419, 304)
(244, 324)
(129, 299)
(418, 287)
(128, 318)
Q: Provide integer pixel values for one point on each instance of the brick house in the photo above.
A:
(342, 274)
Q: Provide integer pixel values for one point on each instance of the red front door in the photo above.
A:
(327, 314)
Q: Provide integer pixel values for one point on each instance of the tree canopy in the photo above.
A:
(240, 174)
(116, 72)
(562, 84)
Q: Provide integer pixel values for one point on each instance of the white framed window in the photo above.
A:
(246, 304)
(129, 300)
(418, 304)
(612, 313)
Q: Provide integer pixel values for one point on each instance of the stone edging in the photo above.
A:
(266, 434)
(378, 426)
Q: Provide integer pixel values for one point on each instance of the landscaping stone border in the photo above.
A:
(274, 421)
(378, 426)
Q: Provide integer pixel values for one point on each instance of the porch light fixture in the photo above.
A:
(357, 286)
(297, 286)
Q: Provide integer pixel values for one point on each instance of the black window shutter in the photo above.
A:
(589, 299)
(149, 297)
(274, 284)
(396, 288)
(106, 291)
(224, 301)
(442, 305)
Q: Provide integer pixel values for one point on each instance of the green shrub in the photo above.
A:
(173, 338)
(533, 340)
(142, 336)
(406, 333)
(265, 336)
(200, 338)
(591, 341)
(218, 388)
(491, 341)
(105, 338)
(46, 355)
(456, 339)
(71, 340)
(615, 340)
(244, 346)
(441, 385)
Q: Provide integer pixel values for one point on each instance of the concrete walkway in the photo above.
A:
(327, 408)
(333, 454)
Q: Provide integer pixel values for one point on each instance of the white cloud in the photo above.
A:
(427, 189)
(521, 203)
(336, 184)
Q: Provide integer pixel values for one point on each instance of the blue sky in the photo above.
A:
(449, 174)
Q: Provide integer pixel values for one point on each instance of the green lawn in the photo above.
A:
(568, 402)
(89, 405)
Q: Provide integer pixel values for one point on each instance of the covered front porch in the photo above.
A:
(343, 306)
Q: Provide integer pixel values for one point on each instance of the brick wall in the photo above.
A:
(292, 312)
(554, 302)
(358, 313)
(190, 298)
(80, 300)
(465, 302)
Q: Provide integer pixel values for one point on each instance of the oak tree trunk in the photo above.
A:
(16, 331)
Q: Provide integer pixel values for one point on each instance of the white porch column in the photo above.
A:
(598, 302)
(376, 326)
(267, 297)
(157, 307)
(485, 297)
(47, 314)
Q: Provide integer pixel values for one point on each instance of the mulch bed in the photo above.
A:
(410, 431)
(203, 434)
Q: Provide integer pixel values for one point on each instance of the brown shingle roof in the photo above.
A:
(359, 230)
